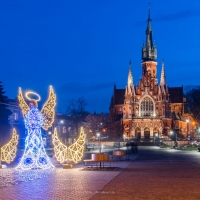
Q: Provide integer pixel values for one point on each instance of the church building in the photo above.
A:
(151, 108)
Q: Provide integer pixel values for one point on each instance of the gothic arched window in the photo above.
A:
(146, 107)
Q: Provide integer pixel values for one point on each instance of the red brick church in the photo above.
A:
(151, 107)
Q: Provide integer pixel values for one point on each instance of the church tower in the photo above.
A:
(129, 95)
(149, 110)
(149, 52)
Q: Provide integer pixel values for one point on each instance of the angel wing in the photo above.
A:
(59, 148)
(8, 151)
(48, 111)
(75, 151)
(22, 103)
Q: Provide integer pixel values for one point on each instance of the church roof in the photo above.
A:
(119, 96)
(176, 94)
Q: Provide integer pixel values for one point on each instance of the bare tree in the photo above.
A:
(96, 123)
(115, 130)
(192, 94)
(76, 111)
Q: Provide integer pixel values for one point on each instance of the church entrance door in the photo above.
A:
(137, 133)
(146, 133)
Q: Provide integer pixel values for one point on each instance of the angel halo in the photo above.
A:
(35, 156)
(34, 93)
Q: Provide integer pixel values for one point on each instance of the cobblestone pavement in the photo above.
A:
(156, 174)
(57, 184)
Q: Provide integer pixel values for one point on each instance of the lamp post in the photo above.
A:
(198, 132)
(188, 136)
(99, 141)
(155, 138)
(171, 133)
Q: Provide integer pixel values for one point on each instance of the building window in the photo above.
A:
(146, 107)
(163, 110)
(58, 129)
(64, 129)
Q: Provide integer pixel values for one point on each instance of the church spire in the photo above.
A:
(149, 52)
(130, 87)
(162, 77)
(130, 75)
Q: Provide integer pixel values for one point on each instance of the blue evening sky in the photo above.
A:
(83, 47)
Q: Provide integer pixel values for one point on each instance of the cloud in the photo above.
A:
(74, 88)
(171, 17)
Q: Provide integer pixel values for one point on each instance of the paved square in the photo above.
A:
(54, 184)
(155, 174)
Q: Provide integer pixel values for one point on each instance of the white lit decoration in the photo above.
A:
(74, 152)
(35, 156)
(8, 151)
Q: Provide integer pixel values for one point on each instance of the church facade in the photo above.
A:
(151, 108)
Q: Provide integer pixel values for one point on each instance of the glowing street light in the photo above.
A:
(188, 135)
(99, 143)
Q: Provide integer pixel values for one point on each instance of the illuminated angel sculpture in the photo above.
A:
(74, 152)
(8, 151)
(35, 156)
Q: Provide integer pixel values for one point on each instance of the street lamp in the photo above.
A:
(171, 133)
(188, 135)
(99, 143)
(155, 137)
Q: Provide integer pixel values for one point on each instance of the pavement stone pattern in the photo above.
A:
(171, 175)
(57, 184)
(154, 173)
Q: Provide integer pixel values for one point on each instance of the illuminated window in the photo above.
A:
(146, 107)
(64, 130)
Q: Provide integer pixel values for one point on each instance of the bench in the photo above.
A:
(99, 163)
(120, 154)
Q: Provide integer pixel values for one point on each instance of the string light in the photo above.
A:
(59, 148)
(22, 103)
(48, 110)
(74, 152)
(35, 156)
(33, 93)
(8, 151)
(8, 177)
